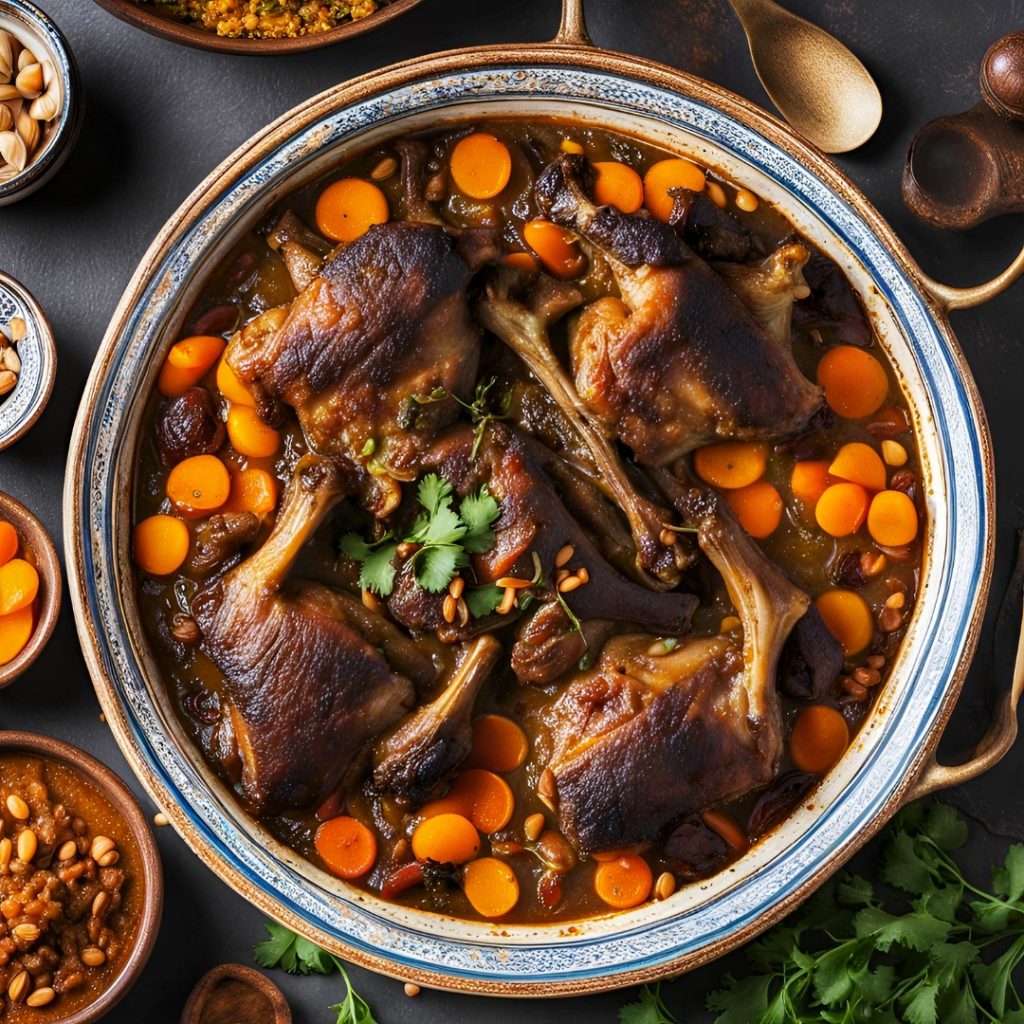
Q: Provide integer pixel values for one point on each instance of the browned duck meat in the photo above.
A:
(422, 750)
(677, 361)
(639, 742)
(302, 249)
(310, 675)
(385, 322)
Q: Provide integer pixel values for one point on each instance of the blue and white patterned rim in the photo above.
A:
(35, 381)
(633, 941)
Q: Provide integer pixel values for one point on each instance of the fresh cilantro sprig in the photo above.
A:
(648, 1009)
(297, 955)
(482, 411)
(445, 539)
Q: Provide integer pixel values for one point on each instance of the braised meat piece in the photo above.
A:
(305, 679)
(189, 425)
(219, 538)
(712, 233)
(677, 361)
(385, 322)
(647, 738)
(302, 249)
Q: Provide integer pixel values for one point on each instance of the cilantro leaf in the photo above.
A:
(478, 512)
(648, 1009)
(436, 566)
(377, 572)
(353, 1009)
(483, 600)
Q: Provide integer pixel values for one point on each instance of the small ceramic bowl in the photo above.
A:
(151, 876)
(36, 30)
(44, 557)
(37, 351)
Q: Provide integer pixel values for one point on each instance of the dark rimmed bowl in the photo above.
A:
(35, 537)
(152, 880)
(178, 32)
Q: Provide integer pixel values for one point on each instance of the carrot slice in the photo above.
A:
(348, 208)
(498, 744)
(860, 464)
(809, 480)
(19, 584)
(618, 185)
(446, 838)
(892, 519)
(8, 542)
(854, 381)
(758, 507)
(665, 175)
(819, 738)
(848, 618)
(731, 464)
(231, 387)
(187, 363)
(481, 165)
(555, 247)
(842, 509)
(252, 490)
(249, 435)
(346, 846)
(491, 887)
(481, 796)
(161, 544)
(723, 824)
(624, 882)
(199, 485)
(15, 631)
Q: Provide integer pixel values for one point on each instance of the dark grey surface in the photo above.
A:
(160, 117)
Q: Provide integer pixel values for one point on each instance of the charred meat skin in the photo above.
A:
(305, 687)
(188, 426)
(678, 361)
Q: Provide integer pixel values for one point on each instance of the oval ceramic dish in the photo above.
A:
(568, 79)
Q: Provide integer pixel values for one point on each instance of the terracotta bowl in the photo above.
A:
(152, 880)
(891, 759)
(145, 17)
(35, 537)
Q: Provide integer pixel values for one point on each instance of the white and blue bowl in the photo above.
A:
(679, 113)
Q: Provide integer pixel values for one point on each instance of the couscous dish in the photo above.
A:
(267, 19)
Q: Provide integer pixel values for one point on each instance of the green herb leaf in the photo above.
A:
(648, 1009)
(478, 512)
(291, 952)
(377, 573)
(437, 564)
(483, 600)
(353, 1009)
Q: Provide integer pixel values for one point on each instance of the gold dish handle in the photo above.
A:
(963, 298)
(573, 30)
(1003, 729)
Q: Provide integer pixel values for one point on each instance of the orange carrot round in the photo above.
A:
(618, 185)
(15, 631)
(731, 464)
(665, 175)
(842, 509)
(346, 846)
(498, 744)
(252, 490)
(758, 507)
(19, 584)
(624, 882)
(491, 887)
(231, 387)
(187, 363)
(481, 165)
(487, 799)
(199, 485)
(854, 381)
(723, 824)
(446, 838)
(860, 464)
(848, 618)
(161, 544)
(555, 247)
(348, 208)
(809, 480)
(249, 435)
(892, 519)
(8, 542)
(819, 738)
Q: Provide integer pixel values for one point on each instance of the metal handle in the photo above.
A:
(1001, 732)
(964, 298)
(573, 30)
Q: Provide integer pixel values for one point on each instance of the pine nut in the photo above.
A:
(872, 564)
(667, 537)
(729, 623)
(514, 582)
(582, 575)
(100, 903)
(161, 819)
(894, 453)
(462, 611)
(93, 956)
(448, 608)
(897, 600)
(746, 200)
(569, 584)
(41, 997)
(507, 601)
(6, 848)
(665, 885)
(18, 988)
(562, 574)
(717, 194)
(17, 807)
(384, 169)
(370, 600)
(563, 556)
(109, 859)
(412, 989)
(100, 846)
(456, 587)
(18, 329)
(27, 845)
(67, 850)
(533, 826)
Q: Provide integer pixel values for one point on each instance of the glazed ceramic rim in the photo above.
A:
(39, 361)
(187, 35)
(152, 881)
(62, 141)
(498, 961)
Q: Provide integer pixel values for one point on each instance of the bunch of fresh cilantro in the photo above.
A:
(928, 948)
(445, 540)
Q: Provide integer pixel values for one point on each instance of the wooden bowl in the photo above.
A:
(152, 876)
(231, 991)
(177, 32)
(35, 537)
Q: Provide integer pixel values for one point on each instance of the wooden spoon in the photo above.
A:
(231, 993)
(819, 86)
